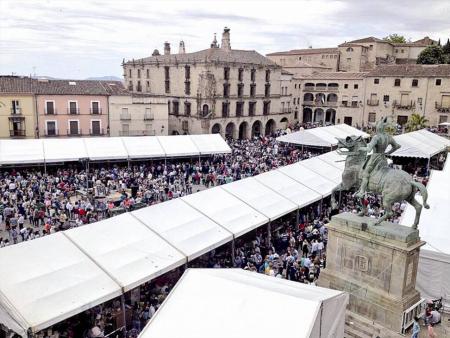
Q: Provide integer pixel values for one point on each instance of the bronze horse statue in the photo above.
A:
(394, 185)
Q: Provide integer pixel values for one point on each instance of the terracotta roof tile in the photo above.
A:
(412, 70)
(307, 51)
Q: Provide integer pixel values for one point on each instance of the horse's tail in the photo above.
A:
(423, 192)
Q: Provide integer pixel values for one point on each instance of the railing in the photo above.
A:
(321, 88)
(74, 132)
(51, 133)
(286, 110)
(239, 114)
(309, 87)
(409, 314)
(148, 116)
(51, 111)
(96, 132)
(371, 102)
(399, 105)
(95, 111)
(137, 132)
(73, 111)
(17, 133)
(333, 89)
(125, 117)
(16, 111)
(441, 108)
(251, 113)
(225, 114)
(352, 104)
(308, 103)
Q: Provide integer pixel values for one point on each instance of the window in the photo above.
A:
(139, 73)
(396, 50)
(187, 108)
(252, 90)
(354, 101)
(376, 81)
(241, 74)
(167, 86)
(355, 86)
(167, 72)
(176, 108)
(50, 107)
(267, 75)
(239, 108)
(139, 87)
(402, 51)
(125, 129)
(240, 89)
(225, 111)
(185, 125)
(251, 108)
(295, 86)
(372, 117)
(51, 128)
(73, 109)
(147, 83)
(95, 128)
(226, 90)
(267, 90)
(129, 73)
(443, 118)
(370, 47)
(386, 98)
(130, 86)
(253, 75)
(345, 85)
(415, 83)
(148, 73)
(349, 60)
(294, 100)
(187, 87)
(187, 72)
(438, 82)
(226, 73)
(419, 100)
(349, 49)
(299, 58)
(323, 56)
(397, 83)
(73, 128)
(15, 108)
(266, 108)
(95, 107)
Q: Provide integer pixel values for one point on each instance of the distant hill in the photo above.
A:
(105, 78)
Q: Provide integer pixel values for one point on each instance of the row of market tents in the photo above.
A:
(40, 151)
(52, 278)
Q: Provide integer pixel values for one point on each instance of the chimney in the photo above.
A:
(166, 48)
(181, 50)
(226, 39)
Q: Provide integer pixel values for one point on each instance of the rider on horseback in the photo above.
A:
(379, 144)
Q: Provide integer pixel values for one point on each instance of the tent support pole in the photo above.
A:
(124, 315)
(269, 234)
(297, 217)
(428, 166)
(233, 249)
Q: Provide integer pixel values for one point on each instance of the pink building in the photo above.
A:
(72, 108)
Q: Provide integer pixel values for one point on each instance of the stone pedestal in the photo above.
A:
(376, 265)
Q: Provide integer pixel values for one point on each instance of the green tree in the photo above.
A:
(416, 122)
(432, 55)
(446, 47)
(395, 38)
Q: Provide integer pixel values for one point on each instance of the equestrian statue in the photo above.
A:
(371, 173)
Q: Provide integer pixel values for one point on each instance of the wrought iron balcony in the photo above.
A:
(95, 111)
(17, 133)
(51, 132)
(74, 132)
(96, 132)
(73, 111)
(125, 116)
(16, 111)
(372, 102)
(441, 108)
(149, 116)
(404, 106)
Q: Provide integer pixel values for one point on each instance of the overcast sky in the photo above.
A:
(84, 38)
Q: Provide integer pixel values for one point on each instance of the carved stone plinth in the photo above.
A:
(376, 265)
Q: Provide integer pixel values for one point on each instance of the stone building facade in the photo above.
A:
(217, 90)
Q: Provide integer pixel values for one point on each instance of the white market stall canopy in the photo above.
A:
(65, 273)
(40, 151)
(321, 136)
(234, 303)
(420, 144)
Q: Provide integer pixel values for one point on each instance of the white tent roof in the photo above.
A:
(72, 149)
(185, 228)
(105, 148)
(322, 136)
(131, 260)
(21, 151)
(323, 168)
(297, 193)
(310, 178)
(333, 158)
(420, 144)
(227, 210)
(234, 303)
(181, 145)
(49, 279)
(143, 147)
(261, 198)
(210, 144)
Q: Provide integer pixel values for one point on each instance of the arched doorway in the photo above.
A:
(243, 130)
(307, 115)
(330, 116)
(256, 129)
(270, 127)
(284, 123)
(308, 98)
(229, 130)
(205, 110)
(318, 115)
(215, 129)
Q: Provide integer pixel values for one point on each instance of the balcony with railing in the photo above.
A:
(97, 132)
(149, 116)
(308, 87)
(125, 116)
(353, 104)
(320, 103)
(442, 108)
(73, 111)
(137, 132)
(373, 102)
(17, 133)
(78, 132)
(51, 111)
(51, 132)
(95, 111)
(404, 105)
(286, 110)
(16, 111)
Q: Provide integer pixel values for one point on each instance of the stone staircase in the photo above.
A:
(357, 326)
